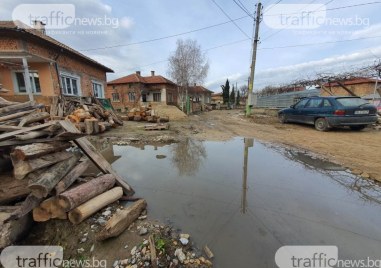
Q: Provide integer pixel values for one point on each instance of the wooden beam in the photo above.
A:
(10, 135)
(346, 89)
(92, 153)
(16, 107)
(15, 115)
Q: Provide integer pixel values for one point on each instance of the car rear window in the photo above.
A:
(351, 101)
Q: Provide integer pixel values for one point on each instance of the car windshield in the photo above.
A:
(351, 101)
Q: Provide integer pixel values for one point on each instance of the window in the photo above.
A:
(34, 81)
(314, 103)
(351, 101)
(170, 97)
(156, 97)
(98, 90)
(326, 103)
(301, 104)
(115, 97)
(131, 96)
(70, 85)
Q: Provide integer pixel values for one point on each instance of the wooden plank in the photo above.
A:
(15, 115)
(12, 189)
(346, 89)
(15, 107)
(35, 117)
(85, 145)
(10, 135)
(5, 128)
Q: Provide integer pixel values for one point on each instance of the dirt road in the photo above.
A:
(359, 151)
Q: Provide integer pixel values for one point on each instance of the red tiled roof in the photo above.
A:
(135, 78)
(199, 89)
(352, 82)
(217, 94)
(33, 33)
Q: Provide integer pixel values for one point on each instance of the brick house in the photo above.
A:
(134, 90)
(200, 94)
(52, 66)
(359, 86)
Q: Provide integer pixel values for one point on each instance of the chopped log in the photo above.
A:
(52, 176)
(15, 115)
(49, 209)
(121, 220)
(89, 126)
(102, 128)
(27, 206)
(10, 135)
(40, 215)
(6, 128)
(137, 118)
(154, 260)
(16, 107)
(35, 150)
(95, 126)
(11, 189)
(5, 103)
(96, 157)
(12, 230)
(35, 117)
(73, 198)
(23, 168)
(71, 177)
(156, 127)
(106, 125)
(87, 209)
(32, 135)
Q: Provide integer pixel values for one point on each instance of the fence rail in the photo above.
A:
(285, 99)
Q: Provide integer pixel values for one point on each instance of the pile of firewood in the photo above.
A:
(88, 116)
(146, 114)
(43, 172)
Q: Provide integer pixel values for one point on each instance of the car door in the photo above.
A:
(311, 110)
(295, 115)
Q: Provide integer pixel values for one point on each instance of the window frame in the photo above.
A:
(71, 77)
(131, 96)
(98, 83)
(156, 94)
(313, 100)
(32, 81)
(112, 97)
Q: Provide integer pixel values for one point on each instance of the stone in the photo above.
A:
(134, 266)
(184, 241)
(80, 250)
(145, 242)
(143, 231)
(124, 262)
(101, 221)
(144, 249)
(146, 264)
(184, 236)
(115, 263)
(106, 213)
(92, 248)
(83, 240)
(175, 262)
(133, 250)
(365, 175)
(85, 234)
(126, 246)
(180, 255)
(142, 217)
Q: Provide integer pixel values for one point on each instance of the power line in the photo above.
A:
(223, 11)
(328, 9)
(164, 37)
(244, 9)
(273, 5)
(271, 35)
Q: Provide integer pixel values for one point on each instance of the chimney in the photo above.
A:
(138, 73)
(152, 73)
(39, 26)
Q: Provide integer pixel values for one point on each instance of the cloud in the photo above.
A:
(372, 30)
(126, 22)
(305, 70)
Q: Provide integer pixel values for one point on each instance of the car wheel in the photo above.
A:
(282, 118)
(321, 124)
(361, 127)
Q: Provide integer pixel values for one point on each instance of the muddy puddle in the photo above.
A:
(245, 199)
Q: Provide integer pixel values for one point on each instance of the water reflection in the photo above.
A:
(187, 156)
(247, 142)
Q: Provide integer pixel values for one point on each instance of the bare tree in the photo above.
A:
(187, 65)
(187, 156)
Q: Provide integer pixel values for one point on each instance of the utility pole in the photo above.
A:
(254, 59)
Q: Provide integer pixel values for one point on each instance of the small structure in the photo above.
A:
(217, 98)
(200, 94)
(135, 90)
(352, 87)
(53, 68)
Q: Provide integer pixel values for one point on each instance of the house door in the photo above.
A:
(144, 97)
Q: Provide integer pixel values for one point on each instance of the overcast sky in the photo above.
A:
(144, 20)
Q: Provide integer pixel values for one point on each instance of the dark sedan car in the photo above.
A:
(327, 112)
